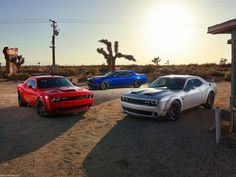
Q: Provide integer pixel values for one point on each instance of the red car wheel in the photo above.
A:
(40, 108)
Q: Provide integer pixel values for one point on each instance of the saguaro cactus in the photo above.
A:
(110, 57)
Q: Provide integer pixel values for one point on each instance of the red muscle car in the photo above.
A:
(53, 95)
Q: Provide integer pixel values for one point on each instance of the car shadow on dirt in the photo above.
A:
(22, 131)
(150, 148)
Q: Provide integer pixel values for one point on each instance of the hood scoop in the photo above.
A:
(67, 90)
(136, 92)
(149, 94)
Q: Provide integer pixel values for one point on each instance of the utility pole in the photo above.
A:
(55, 32)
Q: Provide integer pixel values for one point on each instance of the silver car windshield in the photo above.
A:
(172, 83)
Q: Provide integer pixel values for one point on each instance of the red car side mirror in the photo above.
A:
(30, 86)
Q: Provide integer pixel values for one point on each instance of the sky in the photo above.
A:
(174, 30)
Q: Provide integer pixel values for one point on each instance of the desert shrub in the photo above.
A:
(68, 72)
(201, 73)
(209, 65)
(148, 69)
(213, 72)
(18, 77)
(3, 75)
(103, 68)
(82, 79)
(228, 76)
(167, 70)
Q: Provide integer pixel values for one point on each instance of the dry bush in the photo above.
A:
(227, 76)
(18, 77)
(213, 72)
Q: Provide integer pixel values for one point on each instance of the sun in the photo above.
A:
(169, 30)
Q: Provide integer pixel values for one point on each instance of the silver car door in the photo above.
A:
(192, 98)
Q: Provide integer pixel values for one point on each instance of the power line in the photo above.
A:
(89, 21)
(19, 21)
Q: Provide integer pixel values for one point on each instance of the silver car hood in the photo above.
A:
(151, 93)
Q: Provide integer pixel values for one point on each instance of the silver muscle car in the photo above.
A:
(169, 96)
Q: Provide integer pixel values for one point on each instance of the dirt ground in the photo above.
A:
(104, 142)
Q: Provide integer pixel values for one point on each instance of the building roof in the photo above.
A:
(223, 28)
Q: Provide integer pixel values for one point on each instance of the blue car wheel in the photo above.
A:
(104, 85)
(137, 83)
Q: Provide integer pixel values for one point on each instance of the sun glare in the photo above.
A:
(169, 30)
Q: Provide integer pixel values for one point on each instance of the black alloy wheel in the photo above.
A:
(137, 83)
(174, 110)
(104, 85)
(210, 101)
(40, 109)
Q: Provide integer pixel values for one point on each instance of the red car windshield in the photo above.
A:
(53, 82)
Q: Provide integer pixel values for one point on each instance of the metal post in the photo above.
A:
(233, 71)
(218, 125)
(54, 33)
(53, 51)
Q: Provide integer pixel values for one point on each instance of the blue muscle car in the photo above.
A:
(119, 78)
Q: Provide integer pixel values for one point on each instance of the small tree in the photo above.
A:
(167, 62)
(109, 56)
(19, 61)
(156, 61)
(223, 61)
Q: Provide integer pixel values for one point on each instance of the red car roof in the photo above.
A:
(45, 76)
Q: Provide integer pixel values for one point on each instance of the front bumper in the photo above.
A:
(142, 110)
(73, 106)
(93, 85)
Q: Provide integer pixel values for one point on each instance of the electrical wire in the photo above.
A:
(87, 21)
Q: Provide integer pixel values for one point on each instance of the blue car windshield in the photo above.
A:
(110, 74)
(173, 83)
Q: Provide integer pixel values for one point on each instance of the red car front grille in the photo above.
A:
(74, 98)
(70, 108)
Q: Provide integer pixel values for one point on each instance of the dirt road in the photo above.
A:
(106, 143)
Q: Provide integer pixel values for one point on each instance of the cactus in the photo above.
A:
(18, 62)
(109, 56)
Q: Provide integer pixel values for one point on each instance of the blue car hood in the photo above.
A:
(97, 78)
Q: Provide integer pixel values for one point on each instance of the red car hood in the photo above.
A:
(65, 91)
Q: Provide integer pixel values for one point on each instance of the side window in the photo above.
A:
(161, 83)
(31, 83)
(197, 83)
(124, 74)
(190, 84)
(28, 83)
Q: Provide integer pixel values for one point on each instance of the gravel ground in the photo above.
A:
(106, 143)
